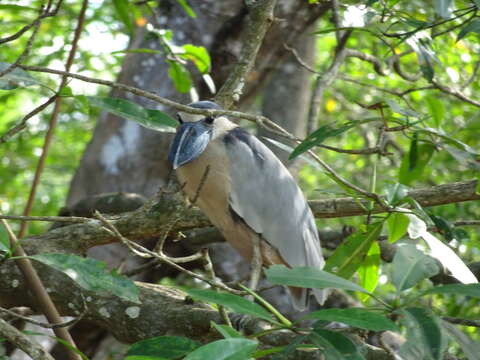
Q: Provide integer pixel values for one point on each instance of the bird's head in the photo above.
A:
(193, 135)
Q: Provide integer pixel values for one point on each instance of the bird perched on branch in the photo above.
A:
(247, 193)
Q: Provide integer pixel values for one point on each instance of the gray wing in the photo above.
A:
(269, 200)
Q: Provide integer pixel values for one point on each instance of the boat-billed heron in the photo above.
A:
(247, 194)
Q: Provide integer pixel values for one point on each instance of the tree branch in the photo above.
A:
(29, 346)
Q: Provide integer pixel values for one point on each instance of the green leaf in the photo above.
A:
(356, 317)
(443, 227)
(368, 272)
(425, 339)
(395, 107)
(397, 224)
(234, 302)
(180, 77)
(347, 258)
(15, 78)
(437, 109)
(425, 54)
(318, 136)
(186, 7)
(396, 193)
(151, 119)
(5, 250)
(472, 26)
(226, 349)
(226, 331)
(443, 8)
(472, 290)
(308, 277)
(408, 172)
(335, 345)
(12, 7)
(470, 348)
(91, 275)
(162, 347)
(411, 266)
(465, 158)
(124, 13)
(198, 55)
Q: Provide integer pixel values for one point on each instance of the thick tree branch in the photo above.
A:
(149, 221)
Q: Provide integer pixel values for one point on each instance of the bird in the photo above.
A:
(247, 193)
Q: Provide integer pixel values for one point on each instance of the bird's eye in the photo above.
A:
(209, 120)
(179, 118)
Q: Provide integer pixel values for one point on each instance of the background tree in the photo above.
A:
(386, 91)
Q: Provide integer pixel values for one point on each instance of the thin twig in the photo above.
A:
(147, 254)
(42, 324)
(458, 321)
(23, 123)
(68, 219)
(211, 272)
(22, 341)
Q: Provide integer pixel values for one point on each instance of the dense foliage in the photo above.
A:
(405, 106)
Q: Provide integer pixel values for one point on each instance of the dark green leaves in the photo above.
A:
(91, 275)
(410, 266)
(161, 347)
(308, 277)
(334, 345)
(152, 119)
(414, 163)
(226, 349)
(346, 259)
(470, 348)
(16, 78)
(5, 250)
(473, 26)
(318, 136)
(233, 302)
(356, 317)
(424, 336)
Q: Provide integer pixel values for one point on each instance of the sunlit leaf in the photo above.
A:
(425, 339)
(15, 78)
(308, 277)
(161, 347)
(234, 302)
(437, 109)
(226, 331)
(124, 13)
(226, 349)
(91, 275)
(410, 266)
(187, 8)
(368, 272)
(417, 228)
(420, 43)
(395, 107)
(149, 118)
(318, 136)
(356, 317)
(180, 76)
(397, 224)
(198, 55)
(346, 258)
